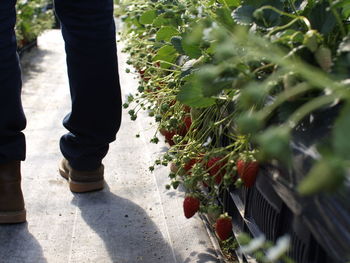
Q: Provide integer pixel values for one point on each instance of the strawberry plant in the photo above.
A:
(258, 85)
(32, 19)
(230, 82)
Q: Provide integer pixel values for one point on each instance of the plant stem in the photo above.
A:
(283, 96)
(309, 107)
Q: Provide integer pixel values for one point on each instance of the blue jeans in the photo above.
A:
(89, 33)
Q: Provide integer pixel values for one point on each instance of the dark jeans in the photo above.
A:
(89, 33)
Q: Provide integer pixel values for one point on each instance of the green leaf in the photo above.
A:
(191, 50)
(136, 23)
(249, 122)
(176, 41)
(346, 9)
(230, 3)
(160, 21)
(211, 83)
(148, 17)
(244, 15)
(252, 95)
(218, 85)
(345, 5)
(321, 18)
(274, 144)
(223, 15)
(166, 33)
(191, 95)
(327, 175)
(166, 53)
(259, 3)
(341, 142)
(163, 21)
(192, 40)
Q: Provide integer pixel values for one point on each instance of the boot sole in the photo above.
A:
(82, 187)
(13, 217)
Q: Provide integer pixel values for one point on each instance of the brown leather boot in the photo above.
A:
(82, 181)
(11, 197)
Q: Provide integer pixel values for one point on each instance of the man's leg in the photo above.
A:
(90, 41)
(12, 119)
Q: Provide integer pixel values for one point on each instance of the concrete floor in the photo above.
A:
(133, 220)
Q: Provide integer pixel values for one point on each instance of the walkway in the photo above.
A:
(134, 220)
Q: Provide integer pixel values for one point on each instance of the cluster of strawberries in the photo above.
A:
(182, 130)
(223, 224)
(247, 171)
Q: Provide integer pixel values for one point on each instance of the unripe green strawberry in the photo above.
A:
(164, 107)
(223, 227)
(191, 206)
(310, 40)
(323, 56)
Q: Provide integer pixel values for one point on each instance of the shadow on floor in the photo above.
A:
(128, 232)
(31, 61)
(18, 245)
(204, 257)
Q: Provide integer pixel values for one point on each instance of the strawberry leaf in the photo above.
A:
(166, 53)
(166, 33)
(341, 142)
(192, 95)
(244, 15)
(148, 17)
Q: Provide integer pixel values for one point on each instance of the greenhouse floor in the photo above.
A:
(134, 219)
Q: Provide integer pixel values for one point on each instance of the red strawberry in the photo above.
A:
(182, 130)
(187, 109)
(172, 103)
(223, 227)
(191, 206)
(214, 165)
(205, 184)
(247, 171)
(188, 122)
(163, 131)
(168, 136)
(185, 126)
(142, 74)
(188, 166)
